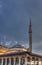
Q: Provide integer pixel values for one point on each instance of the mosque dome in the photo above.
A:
(18, 46)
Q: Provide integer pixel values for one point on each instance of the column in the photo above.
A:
(39, 61)
(30, 60)
(5, 61)
(9, 61)
(34, 61)
(25, 60)
(14, 61)
(2, 61)
(19, 61)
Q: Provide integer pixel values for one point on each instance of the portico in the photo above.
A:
(22, 59)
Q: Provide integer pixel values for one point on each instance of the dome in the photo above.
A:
(18, 46)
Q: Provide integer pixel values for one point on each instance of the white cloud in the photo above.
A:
(8, 43)
(15, 42)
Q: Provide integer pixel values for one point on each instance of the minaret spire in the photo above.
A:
(30, 36)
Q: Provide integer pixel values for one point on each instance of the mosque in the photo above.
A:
(19, 55)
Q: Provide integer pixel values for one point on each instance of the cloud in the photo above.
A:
(7, 43)
(15, 42)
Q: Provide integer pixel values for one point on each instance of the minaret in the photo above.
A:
(30, 37)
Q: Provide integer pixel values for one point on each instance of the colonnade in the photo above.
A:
(12, 61)
(19, 61)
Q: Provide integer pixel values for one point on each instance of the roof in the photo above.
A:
(37, 55)
(21, 53)
(16, 50)
(14, 54)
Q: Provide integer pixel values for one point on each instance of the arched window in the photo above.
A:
(33, 58)
(28, 59)
(37, 59)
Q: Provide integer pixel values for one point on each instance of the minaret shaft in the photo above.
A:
(30, 37)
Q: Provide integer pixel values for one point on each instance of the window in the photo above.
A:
(28, 59)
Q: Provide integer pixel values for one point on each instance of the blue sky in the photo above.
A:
(14, 23)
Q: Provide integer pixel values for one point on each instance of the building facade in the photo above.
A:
(19, 55)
